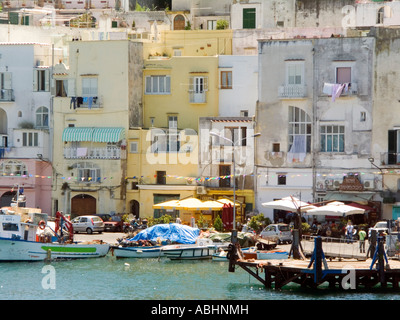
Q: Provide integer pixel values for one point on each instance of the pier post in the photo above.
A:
(372, 244)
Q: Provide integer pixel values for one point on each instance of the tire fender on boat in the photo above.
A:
(42, 224)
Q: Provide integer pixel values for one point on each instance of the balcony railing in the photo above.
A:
(7, 95)
(292, 91)
(109, 152)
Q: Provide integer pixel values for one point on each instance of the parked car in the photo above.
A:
(112, 223)
(379, 226)
(88, 224)
(277, 232)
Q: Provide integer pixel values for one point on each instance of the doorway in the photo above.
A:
(83, 204)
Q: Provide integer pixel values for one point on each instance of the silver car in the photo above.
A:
(277, 232)
(88, 224)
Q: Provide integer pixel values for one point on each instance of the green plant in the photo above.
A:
(188, 26)
(305, 227)
(222, 24)
(166, 218)
(258, 222)
(218, 225)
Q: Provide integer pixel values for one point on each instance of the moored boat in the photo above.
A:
(253, 253)
(137, 252)
(203, 249)
(25, 236)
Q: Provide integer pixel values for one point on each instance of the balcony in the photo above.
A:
(292, 91)
(7, 95)
(109, 152)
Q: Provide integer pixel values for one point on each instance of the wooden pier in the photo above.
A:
(343, 273)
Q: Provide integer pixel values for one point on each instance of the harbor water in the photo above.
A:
(152, 279)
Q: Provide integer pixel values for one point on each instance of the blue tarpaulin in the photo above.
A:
(174, 232)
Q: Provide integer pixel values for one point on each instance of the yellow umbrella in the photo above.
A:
(170, 204)
(228, 201)
(191, 204)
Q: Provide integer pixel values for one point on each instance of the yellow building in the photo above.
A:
(163, 154)
(97, 99)
(191, 43)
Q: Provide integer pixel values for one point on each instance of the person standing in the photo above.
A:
(349, 232)
(361, 236)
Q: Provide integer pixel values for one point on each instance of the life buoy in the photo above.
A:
(42, 224)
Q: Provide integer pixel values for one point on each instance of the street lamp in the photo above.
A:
(371, 160)
(234, 170)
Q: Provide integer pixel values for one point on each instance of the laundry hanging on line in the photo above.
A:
(336, 89)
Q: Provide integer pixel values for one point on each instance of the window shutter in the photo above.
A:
(35, 83)
(205, 84)
(47, 80)
(7, 80)
(191, 84)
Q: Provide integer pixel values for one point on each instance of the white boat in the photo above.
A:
(202, 249)
(137, 252)
(220, 256)
(27, 240)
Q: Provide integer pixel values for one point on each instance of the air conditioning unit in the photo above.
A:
(201, 190)
(337, 183)
(369, 184)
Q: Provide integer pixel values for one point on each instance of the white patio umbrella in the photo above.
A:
(289, 204)
(335, 208)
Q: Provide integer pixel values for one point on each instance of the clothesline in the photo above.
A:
(336, 89)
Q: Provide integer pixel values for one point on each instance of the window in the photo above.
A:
(13, 168)
(173, 122)
(41, 80)
(61, 88)
(30, 139)
(295, 73)
(211, 24)
(249, 18)
(197, 89)
(299, 130)
(42, 117)
(281, 179)
(158, 85)
(134, 147)
(244, 113)
(10, 226)
(161, 177)
(89, 87)
(276, 147)
(343, 75)
(88, 172)
(238, 135)
(5, 86)
(226, 79)
(332, 138)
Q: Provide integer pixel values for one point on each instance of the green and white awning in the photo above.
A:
(99, 134)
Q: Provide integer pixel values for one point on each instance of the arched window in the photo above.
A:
(13, 168)
(42, 117)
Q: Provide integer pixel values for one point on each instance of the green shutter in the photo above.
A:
(249, 18)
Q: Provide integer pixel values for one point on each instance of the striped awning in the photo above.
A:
(99, 134)
(77, 134)
(108, 134)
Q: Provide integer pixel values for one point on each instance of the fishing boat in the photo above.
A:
(25, 235)
(137, 252)
(203, 249)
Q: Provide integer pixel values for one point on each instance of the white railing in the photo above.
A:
(110, 152)
(292, 91)
(334, 247)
